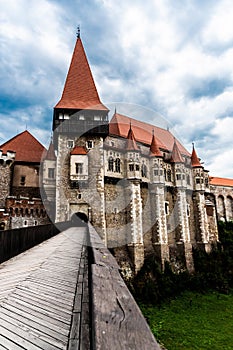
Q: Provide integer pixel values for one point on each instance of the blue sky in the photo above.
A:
(172, 57)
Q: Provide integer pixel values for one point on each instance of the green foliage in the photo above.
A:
(193, 321)
(213, 271)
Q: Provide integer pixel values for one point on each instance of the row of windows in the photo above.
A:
(89, 144)
(27, 211)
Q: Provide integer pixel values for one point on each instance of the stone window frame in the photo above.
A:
(51, 173)
(90, 144)
(70, 144)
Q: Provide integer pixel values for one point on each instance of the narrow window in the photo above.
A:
(70, 143)
(169, 175)
(178, 176)
(188, 179)
(165, 174)
(144, 170)
(118, 165)
(167, 208)
(89, 144)
(131, 167)
(137, 167)
(198, 180)
(188, 210)
(79, 168)
(51, 173)
(22, 180)
(110, 164)
(25, 223)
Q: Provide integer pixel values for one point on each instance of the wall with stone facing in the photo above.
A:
(5, 176)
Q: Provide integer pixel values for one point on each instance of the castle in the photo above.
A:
(134, 182)
(21, 204)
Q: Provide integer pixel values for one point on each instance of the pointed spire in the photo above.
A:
(195, 160)
(176, 155)
(80, 91)
(131, 141)
(154, 148)
(50, 155)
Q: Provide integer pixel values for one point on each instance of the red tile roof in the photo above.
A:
(119, 126)
(80, 90)
(220, 181)
(195, 160)
(26, 146)
(176, 155)
(78, 150)
(154, 148)
(131, 142)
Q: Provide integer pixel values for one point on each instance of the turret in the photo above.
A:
(132, 157)
(200, 175)
(178, 166)
(156, 157)
(80, 110)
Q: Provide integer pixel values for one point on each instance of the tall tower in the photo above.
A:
(80, 125)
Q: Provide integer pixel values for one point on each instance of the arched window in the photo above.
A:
(156, 170)
(110, 164)
(144, 170)
(118, 165)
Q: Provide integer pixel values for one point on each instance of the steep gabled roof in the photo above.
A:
(195, 160)
(80, 91)
(154, 148)
(119, 126)
(26, 146)
(220, 181)
(78, 150)
(131, 142)
(176, 155)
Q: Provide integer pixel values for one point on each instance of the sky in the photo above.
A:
(174, 58)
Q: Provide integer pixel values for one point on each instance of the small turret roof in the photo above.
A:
(195, 160)
(50, 155)
(80, 91)
(26, 146)
(176, 155)
(131, 141)
(78, 150)
(154, 148)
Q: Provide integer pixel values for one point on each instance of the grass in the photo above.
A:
(193, 322)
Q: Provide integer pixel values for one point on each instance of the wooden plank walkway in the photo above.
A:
(44, 295)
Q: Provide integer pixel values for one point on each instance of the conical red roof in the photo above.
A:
(80, 90)
(26, 146)
(131, 141)
(154, 148)
(50, 155)
(195, 160)
(176, 155)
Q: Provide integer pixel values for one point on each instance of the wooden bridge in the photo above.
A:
(67, 293)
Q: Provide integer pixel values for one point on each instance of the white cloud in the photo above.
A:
(172, 57)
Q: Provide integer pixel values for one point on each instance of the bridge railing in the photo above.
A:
(117, 322)
(16, 241)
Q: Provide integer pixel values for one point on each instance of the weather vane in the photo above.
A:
(78, 31)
